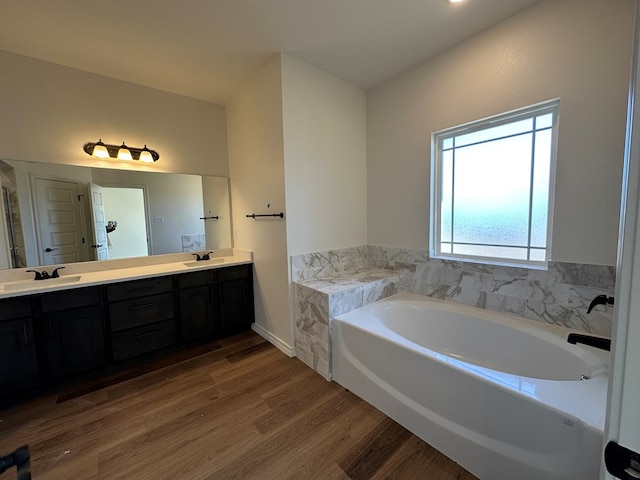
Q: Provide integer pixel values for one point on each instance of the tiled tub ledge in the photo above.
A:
(318, 300)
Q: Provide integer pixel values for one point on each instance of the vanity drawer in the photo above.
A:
(141, 340)
(139, 288)
(197, 279)
(70, 299)
(235, 273)
(15, 308)
(141, 311)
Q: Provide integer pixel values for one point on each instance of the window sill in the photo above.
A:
(493, 262)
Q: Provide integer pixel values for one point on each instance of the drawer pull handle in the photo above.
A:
(142, 335)
(144, 305)
(26, 336)
(137, 289)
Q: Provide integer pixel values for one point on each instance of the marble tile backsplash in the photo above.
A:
(329, 283)
(559, 295)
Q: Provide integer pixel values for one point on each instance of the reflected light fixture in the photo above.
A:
(121, 152)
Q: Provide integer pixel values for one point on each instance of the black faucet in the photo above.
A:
(39, 275)
(55, 274)
(204, 257)
(591, 340)
(44, 275)
(600, 300)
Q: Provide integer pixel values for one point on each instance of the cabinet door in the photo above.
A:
(236, 305)
(75, 341)
(18, 363)
(197, 313)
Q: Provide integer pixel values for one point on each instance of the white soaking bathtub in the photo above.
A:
(504, 397)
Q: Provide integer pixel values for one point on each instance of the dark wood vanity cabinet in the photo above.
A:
(199, 316)
(50, 337)
(72, 327)
(141, 316)
(235, 293)
(18, 356)
(216, 303)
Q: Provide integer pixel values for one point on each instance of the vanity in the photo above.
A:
(102, 316)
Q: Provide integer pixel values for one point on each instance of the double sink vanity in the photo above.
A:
(99, 316)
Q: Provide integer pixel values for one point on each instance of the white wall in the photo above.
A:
(256, 165)
(578, 50)
(298, 132)
(325, 155)
(49, 112)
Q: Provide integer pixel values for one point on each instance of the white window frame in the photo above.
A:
(437, 138)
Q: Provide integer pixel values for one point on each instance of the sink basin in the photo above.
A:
(202, 263)
(35, 284)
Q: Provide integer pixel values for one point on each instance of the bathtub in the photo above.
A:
(504, 397)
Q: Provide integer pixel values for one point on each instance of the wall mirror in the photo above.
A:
(57, 214)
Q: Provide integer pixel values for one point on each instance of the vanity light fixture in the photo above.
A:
(121, 152)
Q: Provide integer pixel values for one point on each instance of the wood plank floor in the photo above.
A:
(241, 411)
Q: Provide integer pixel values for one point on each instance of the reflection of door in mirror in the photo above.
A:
(96, 202)
(59, 225)
(126, 207)
(12, 249)
(7, 241)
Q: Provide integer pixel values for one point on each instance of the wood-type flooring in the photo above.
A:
(241, 410)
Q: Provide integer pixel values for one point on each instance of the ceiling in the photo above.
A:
(208, 49)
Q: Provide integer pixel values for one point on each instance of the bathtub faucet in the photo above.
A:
(600, 300)
(591, 340)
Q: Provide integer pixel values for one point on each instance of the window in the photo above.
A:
(492, 188)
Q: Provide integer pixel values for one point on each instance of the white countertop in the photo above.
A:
(19, 282)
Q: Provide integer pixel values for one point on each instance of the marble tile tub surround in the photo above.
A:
(317, 300)
(559, 295)
(332, 282)
(324, 264)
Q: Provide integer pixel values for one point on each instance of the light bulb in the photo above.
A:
(124, 153)
(100, 150)
(145, 155)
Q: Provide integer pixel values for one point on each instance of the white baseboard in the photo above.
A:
(271, 338)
